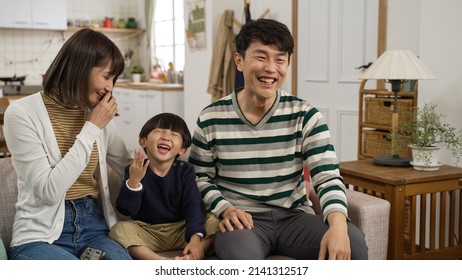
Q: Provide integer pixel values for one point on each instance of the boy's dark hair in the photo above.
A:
(268, 32)
(168, 121)
(68, 77)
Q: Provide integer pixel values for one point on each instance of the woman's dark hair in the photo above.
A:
(168, 121)
(268, 32)
(67, 78)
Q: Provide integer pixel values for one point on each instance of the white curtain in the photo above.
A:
(149, 6)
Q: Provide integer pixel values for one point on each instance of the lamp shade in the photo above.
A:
(397, 65)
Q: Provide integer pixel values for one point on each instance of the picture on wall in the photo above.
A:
(195, 30)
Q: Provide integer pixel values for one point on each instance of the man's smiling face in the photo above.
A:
(264, 68)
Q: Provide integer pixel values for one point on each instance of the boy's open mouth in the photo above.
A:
(164, 148)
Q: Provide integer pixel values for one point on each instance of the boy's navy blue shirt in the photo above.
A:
(172, 198)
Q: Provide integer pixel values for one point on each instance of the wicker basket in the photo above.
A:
(376, 144)
(379, 110)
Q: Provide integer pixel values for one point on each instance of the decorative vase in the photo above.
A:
(136, 78)
(425, 158)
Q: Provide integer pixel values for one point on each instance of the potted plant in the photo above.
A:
(136, 70)
(426, 134)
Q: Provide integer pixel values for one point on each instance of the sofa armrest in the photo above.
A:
(371, 215)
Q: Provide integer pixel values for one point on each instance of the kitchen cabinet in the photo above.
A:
(132, 112)
(16, 14)
(136, 106)
(172, 101)
(33, 14)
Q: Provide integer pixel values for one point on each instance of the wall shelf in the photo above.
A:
(109, 30)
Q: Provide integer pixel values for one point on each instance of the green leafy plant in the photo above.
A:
(137, 69)
(427, 129)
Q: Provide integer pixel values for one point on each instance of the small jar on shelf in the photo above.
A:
(131, 23)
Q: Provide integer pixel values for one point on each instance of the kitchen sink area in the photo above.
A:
(19, 90)
(15, 86)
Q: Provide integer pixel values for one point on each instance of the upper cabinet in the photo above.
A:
(33, 14)
(49, 14)
(16, 14)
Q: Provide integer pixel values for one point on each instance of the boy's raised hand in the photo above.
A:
(137, 169)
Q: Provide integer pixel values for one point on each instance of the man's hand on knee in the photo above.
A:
(233, 216)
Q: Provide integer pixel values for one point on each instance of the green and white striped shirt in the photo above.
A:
(260, 167)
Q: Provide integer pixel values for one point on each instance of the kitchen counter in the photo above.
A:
(18, 90)
(150, 86)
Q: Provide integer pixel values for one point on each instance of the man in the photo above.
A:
(249, 150)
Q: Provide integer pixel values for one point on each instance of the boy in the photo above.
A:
(161, 196)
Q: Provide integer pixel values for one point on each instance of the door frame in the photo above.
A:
(381, 40)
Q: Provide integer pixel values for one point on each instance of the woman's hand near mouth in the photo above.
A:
(104, 111)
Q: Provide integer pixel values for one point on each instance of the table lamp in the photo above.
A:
(396, 67)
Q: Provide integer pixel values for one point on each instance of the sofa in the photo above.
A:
(369, 213)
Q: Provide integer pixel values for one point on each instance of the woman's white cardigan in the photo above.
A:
(44, 176)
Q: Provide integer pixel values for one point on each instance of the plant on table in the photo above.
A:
(428, 130)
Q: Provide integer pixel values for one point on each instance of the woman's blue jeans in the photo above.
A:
(84, 226)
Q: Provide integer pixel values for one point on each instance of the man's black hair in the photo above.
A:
(266, 31)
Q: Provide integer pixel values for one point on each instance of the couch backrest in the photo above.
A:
(115, 182)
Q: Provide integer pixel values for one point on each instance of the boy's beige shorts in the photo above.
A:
(160, 237)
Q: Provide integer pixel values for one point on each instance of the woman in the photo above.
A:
(61, 140)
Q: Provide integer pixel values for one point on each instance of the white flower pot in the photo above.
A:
(425, 158)
(136, 78)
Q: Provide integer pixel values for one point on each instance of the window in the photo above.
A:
(168, 40)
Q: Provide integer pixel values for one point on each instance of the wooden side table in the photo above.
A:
(426, 212)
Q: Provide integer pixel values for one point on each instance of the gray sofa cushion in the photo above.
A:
(8, 197)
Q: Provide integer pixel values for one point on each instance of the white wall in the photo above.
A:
(197, 66)
(431, 30)
(440, 46)
(403, 25)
